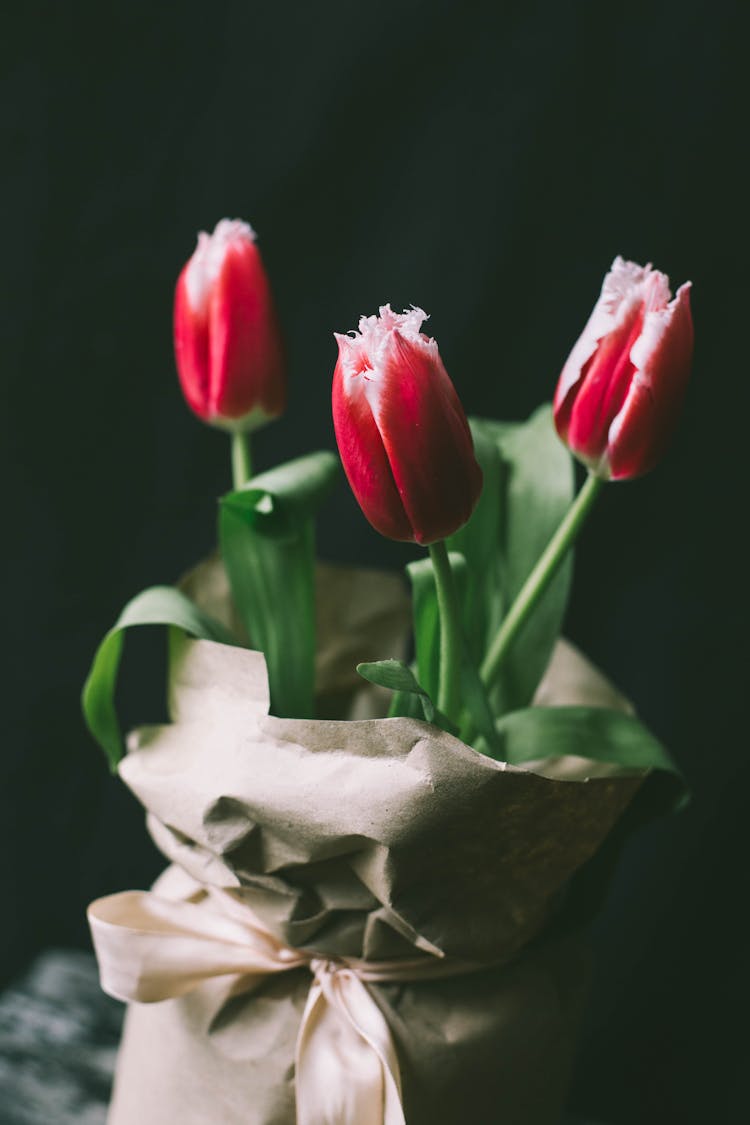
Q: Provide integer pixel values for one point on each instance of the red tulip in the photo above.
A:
(620, 392)
(227, 342)
(401, 430)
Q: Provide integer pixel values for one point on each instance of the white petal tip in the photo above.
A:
(205, 265)
(368, 344)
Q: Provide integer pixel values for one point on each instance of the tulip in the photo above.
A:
(227, 342)
(615, 407)
(621, 389)
(401, 430)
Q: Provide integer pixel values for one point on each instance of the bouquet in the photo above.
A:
(387, 812)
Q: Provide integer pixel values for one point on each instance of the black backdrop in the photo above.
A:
(483, 161)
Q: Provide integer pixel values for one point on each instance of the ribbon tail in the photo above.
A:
(347, 1070)
(152, 949)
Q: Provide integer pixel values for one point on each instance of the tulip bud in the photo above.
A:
(401, 430)
(227, 342)
(620, 392)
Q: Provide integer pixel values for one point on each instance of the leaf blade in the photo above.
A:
(157, 605)
(399, 678)
(529, 480)
(596, 733)
(267, 542)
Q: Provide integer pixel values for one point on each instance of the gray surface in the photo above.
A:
(58, 1040)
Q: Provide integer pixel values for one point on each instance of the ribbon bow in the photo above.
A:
(151, 948)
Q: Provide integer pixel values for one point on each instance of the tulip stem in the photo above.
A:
(450, 632)
(540, 578)
(242, 463)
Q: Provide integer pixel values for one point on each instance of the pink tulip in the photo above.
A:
(402, 433)
(620, 392)
(227, 342)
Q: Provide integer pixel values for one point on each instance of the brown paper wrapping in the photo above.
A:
(365, 838)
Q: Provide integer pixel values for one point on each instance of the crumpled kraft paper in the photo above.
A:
(368, 839)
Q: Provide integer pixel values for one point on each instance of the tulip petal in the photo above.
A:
(595, 380)
(643, 428)
(427, 439)
(205, 265)
(620, 288)
(605, 380)
(191, 347)
(245, 359)
(361, 447)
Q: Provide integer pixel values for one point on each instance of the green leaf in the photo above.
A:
(588, 732)
(398, 677)
(528, 487)
(267, 541)
(159, 605)
(391, 674)
(277, 502)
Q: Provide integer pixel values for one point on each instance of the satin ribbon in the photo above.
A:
(347, 1073)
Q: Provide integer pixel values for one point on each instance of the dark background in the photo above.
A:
(485, 161)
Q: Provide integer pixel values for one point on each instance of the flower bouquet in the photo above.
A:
(387, 814)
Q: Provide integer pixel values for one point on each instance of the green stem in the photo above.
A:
(242, 465)
(450, 633)
(540, 577)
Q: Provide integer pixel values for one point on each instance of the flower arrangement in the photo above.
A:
(378, 834)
